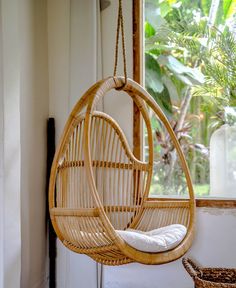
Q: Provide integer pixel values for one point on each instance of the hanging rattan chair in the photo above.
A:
(98, 188)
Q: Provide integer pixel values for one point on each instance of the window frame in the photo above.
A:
(138, 12)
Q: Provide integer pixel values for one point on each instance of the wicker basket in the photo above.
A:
(210, 277)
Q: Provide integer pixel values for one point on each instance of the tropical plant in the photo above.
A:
(190, 51)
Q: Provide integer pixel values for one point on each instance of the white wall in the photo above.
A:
(214, 245)
(23, 115)
(1, 162)
(58, 60)
(73, 68)
(10, 93)
(118, 104)
(34, 113)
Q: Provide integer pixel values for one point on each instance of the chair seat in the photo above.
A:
(157, 240)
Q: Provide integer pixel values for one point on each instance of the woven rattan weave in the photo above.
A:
(97, 186)
(210, 277)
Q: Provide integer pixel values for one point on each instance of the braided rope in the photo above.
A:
(120, 26)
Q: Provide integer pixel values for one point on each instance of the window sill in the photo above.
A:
(216, 203)
(206, 202)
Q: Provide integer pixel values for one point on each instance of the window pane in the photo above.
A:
(190, 70)
(168, 177)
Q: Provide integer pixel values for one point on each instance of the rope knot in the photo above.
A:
(118, 84)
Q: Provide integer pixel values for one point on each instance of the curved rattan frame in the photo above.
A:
(115, 251)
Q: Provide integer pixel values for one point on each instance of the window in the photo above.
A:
(189, 50)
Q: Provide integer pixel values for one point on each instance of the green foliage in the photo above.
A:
(219, 67)
(165, 8)
(149, 30)
(206, 5)
(227, 7)
(153, 74)
(188, 75)
(189, 49)
(163, 99)
(185, 58)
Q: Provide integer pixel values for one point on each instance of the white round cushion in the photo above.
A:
(158, 240)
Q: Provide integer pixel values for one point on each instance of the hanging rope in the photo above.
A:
(120, 26)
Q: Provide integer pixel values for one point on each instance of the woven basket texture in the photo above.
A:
(210, 277)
